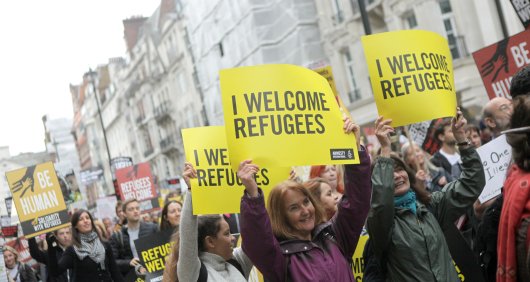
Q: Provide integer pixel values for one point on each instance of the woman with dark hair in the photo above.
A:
(406, 235)
(90, 258)
(294, 241)
(170, 218)
(514, 228)
(206, 251)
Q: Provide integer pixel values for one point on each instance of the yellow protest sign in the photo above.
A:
(412, 77)
(358, 258)
(217, 189)
(284, 115)
(327, 73)
(38, 199)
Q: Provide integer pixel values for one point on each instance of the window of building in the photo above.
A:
(410, 20)
(338, 15)
(450, 28)
(353, 93)
(221, 50)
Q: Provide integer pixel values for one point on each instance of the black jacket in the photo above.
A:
(42, 257)
(122, 249)
(85, 270)
(25, 273)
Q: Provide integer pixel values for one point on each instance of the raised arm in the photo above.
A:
(58, 265)
(354, 205)
(460, 194)
(188, 266)
(36, 253)
(381, 215)
(259, 242)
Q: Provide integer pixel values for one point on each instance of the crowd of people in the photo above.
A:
(307, 230)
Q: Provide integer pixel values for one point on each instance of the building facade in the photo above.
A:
(467, 25)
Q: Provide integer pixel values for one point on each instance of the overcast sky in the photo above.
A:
(46, 45)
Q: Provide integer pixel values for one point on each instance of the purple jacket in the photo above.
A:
(323, 258)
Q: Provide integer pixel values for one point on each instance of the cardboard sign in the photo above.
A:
(136, 182)
(495, 156)
(10, 231)
(38, 199)
(217, 189)
(422, 133)
(277, 114)
(327, 73)
(358, 259)
(498, 62)
(91, 175)
(5, 220)
(411, 73)
(120, 162)
(9, 205)
(522, 9)
(152, 251)
(106, 207)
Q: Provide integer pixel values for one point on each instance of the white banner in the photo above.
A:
(495, 156)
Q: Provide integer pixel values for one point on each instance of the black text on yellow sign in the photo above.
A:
(414, 73)
(155, 258)
(219, 171)
(259, 123)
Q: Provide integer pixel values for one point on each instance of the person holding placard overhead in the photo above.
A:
(206, 248)
(406, 234)
(294, 241)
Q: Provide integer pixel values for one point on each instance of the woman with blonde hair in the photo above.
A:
(417, 159)
(17, 271)
(323, 195)
(293, 241)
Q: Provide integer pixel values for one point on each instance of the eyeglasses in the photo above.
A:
(506, 107)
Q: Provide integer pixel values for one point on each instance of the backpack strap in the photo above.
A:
(237, 265)
(203, 273)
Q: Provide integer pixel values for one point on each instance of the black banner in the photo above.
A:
(152, 251)
(522, 9)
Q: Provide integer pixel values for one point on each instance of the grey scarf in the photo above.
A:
(91, 246)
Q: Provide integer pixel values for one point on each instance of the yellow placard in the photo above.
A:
(217, 189)
(358, 258)
(284, 115)
(412, 77)
(38, 199)
(327, 73)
